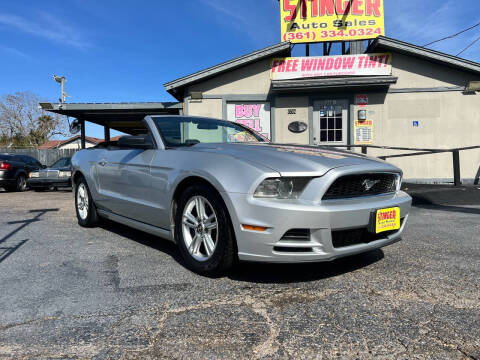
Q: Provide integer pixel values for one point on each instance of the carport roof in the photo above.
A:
(118, 116)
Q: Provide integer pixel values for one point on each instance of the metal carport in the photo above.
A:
(123, 117)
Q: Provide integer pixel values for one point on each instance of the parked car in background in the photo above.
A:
(14, 170)
(59, 175)
(222, 192)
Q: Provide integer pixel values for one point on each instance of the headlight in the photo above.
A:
(33, 174)
(65, 174)
(398, 182)
(281, 188)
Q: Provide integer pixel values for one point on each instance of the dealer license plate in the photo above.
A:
(387, 220)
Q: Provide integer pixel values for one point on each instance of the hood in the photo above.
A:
(293, 158)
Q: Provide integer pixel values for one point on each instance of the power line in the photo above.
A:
(469, 46)
(454, 35)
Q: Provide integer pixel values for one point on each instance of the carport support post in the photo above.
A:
(106, 131)
(82, 133)
(457, 180)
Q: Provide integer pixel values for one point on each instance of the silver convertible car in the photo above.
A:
(222, 192)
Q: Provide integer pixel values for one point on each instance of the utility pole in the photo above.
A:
(61, 80)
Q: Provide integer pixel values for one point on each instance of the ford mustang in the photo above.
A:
(224, 193)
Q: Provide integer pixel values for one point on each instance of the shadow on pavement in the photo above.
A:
(143, 238)
(292, 273)
(255, 272)
(7, 251)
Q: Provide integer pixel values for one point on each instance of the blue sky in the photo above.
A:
(114, 51)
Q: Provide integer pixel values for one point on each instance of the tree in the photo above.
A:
(23, 123)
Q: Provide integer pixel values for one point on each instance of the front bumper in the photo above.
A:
(40, 183)
(320, 218)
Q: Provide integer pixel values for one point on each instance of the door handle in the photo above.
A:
(102, 163)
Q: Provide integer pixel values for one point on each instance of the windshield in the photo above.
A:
(184, 131)
(63, 162)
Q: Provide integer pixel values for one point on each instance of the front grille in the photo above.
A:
(52, 174)
(351, 186)
(296, 235)
(344, 238)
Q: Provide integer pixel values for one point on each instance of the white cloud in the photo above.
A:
(14, 51)
(47, 27)
(245, 18)
(423, 22)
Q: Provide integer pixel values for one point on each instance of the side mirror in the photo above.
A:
(43, 166)
(136, 142)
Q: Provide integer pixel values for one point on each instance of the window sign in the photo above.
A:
(364, 132)
(255, 115)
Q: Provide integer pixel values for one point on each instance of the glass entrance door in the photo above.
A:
(330, 122)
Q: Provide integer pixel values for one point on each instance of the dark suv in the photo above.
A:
(14, 170)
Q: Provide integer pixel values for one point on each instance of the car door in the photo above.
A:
(125, 183)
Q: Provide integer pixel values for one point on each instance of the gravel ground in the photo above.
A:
(113, 292)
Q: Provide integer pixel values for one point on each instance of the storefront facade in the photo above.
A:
(422, 102)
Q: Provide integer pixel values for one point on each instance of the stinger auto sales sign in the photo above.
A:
(306, 21)
(325, 66)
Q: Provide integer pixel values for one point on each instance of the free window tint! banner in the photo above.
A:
(325, 66)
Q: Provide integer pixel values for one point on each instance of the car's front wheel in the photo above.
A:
(203, 231)
(86, 212)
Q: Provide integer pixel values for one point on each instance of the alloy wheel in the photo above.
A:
(22, 183)
(82, 201)
(200, 228)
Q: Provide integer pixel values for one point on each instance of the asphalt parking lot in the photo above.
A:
(113, 292)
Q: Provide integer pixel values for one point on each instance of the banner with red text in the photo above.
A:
(325, 66)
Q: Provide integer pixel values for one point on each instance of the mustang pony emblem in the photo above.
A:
(368, 184)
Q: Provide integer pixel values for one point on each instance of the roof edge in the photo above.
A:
(425, 53)
(109, 106)
(228, 65)
(333, 82)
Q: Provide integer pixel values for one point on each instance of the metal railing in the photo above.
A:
(457, 179)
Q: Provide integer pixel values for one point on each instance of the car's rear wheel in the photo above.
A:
(86, 212)
(21, 183)
(203, 231)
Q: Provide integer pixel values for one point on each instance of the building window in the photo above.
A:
(331, 124)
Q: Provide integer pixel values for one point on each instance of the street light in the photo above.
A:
(61, 80)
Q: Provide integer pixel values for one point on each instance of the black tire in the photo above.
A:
(224, 256)
(21, 183)
(90, 218)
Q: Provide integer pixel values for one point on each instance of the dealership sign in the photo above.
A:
(305, 21)
(255, 115)
(343, 65)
